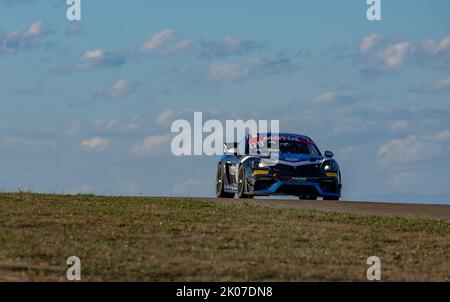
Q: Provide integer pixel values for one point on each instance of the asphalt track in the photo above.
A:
(424, 211)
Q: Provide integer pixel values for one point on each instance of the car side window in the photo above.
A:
(313, 150)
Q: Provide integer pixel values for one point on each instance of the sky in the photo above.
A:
(87, 106)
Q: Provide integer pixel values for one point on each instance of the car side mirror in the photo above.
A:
(329, 154)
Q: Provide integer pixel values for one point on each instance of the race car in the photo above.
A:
(248, 169)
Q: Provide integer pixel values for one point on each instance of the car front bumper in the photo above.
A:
(317, 186)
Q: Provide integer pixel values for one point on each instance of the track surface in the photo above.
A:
(424, 211)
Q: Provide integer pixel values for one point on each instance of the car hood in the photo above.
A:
(295, 159)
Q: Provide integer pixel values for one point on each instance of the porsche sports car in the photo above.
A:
(248, 169)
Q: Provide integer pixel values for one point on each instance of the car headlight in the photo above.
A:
(330, 166)
(257, 164)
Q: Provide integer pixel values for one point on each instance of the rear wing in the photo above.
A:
(238, 149)
(231, 148)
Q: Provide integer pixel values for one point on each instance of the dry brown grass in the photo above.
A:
(153, 239)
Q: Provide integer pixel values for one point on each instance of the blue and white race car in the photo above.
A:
(248, 169)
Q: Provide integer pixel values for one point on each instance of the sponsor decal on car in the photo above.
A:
(299, 179)
(293, 138)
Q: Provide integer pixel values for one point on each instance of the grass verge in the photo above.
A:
(176, 239)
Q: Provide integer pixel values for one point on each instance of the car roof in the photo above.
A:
(283, 134)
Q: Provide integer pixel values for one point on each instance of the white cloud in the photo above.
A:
(325, 98)
(100, 58)
(12, 42)
(407, 150)
(158, 41)
(404, 177)
(150, 145)
(164, 117)
(399, 125)
(394, 56)
(369, 42)
(435, 54)
(234, 70)
(443, 136)
(118, 88)
(240, 69)
(36, 29)
(229, 46)
(380, 54)
(432, 47)
(117, 125)
(181, 46)
(334, 97)
(438, 86)
(95, 144)
(168, 42)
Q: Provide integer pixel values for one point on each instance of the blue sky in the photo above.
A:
(87, 106)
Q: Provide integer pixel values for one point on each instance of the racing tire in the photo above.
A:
(242, 184)
(220, 192)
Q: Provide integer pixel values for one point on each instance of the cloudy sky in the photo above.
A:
(86, 107)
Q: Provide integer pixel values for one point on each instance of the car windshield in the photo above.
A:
(285, 146)
(294, 148)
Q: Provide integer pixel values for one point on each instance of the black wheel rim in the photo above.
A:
(241, 183)
(219, 181)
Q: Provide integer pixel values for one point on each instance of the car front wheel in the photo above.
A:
(242, 184)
